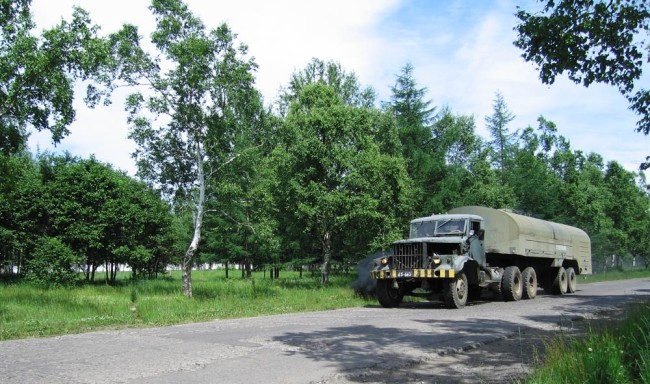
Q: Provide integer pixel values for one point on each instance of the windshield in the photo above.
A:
(454, 227)
(422, 229)
(451, 227)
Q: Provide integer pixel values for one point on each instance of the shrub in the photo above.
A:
(51, 264)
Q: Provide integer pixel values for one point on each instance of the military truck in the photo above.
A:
(457, 256)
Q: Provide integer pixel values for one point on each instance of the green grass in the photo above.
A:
(614, 275)
(613, 353)
(26, 311)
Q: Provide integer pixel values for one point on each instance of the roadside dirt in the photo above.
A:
(505, 360)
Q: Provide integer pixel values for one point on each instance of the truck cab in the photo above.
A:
(438, 248)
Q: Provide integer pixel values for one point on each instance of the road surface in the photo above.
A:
(421, 342)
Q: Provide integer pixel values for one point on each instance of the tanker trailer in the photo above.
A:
(455, 256)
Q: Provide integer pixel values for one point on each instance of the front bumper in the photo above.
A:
(412, 274)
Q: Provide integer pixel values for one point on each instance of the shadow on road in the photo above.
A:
(429, 351)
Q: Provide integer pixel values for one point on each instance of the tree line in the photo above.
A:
(326, 175)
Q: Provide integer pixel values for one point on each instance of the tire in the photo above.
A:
(529, 278)
(475, 292)
(388, 296)
(456, 292)
(560, 282)
(572, 280)
(511, 284)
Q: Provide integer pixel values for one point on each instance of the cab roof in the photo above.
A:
(447, 217)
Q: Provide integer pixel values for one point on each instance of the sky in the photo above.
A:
(461, 51)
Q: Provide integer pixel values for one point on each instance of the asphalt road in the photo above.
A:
(338, 346)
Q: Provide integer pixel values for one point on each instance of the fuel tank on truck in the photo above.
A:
(508, 233)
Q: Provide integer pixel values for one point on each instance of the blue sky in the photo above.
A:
(461, 51)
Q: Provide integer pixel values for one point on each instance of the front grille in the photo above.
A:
(407, 256)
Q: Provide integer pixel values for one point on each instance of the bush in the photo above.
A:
(51, 264)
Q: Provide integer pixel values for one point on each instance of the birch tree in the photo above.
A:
(197, 86)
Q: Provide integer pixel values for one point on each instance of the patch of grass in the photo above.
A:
(614, 275)
(615, 353)
(27, 311)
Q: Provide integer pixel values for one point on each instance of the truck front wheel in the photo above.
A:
(511, 284)
(456, 292)
(388, 296)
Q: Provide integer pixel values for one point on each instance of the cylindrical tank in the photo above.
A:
(508, 233)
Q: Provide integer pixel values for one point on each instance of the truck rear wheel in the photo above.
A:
(560, 282)
(511, 284)
(388, 296)
(529, 277)
(571, 278)
(456, 292)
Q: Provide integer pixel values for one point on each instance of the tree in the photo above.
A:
(502, 141)
(19, 182)
(101, 215)
(463, 174)
(415, 116)
(199, 95)
(593, 42)
(38, 73)
(531, 176)
(413, 113)
(342, 184)
(331, 73)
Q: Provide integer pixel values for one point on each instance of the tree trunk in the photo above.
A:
(327, 257)
(188, 259)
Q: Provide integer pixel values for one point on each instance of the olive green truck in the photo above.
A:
(456, 256)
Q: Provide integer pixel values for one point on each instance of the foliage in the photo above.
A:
(52, 264)
(204, 98)
(38, 73)
(414, 117)
(346, 85)
(593, 42)
(100, 214)
(502, 140)
(341, 181)
(326, 176)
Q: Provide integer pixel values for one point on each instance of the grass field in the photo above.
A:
(27, 311)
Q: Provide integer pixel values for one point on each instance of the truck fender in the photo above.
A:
(460, 261)
(471, 272)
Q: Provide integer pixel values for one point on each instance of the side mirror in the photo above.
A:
(481, 234)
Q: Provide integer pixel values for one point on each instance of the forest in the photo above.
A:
(320, 179)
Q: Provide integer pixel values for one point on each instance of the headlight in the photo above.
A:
(384, 261)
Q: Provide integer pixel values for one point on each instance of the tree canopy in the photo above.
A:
(322, 177)
(38, 73)
(592, 42)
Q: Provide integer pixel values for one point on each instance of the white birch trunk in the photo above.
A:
(188, 259)
(327, 257)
